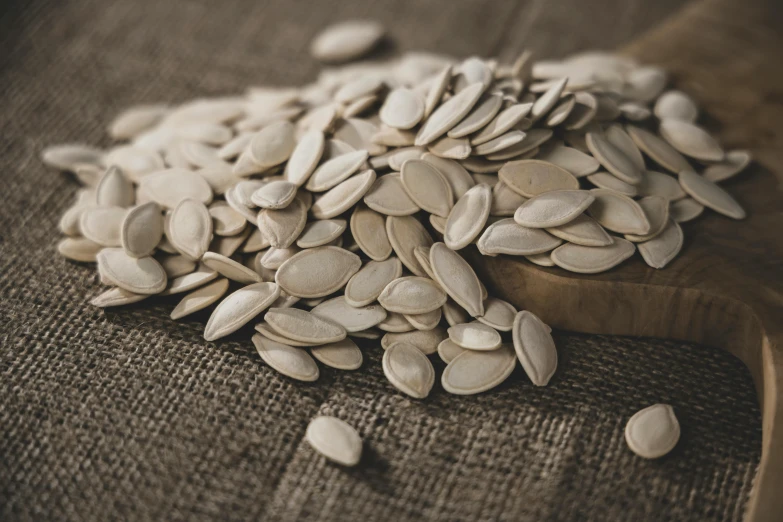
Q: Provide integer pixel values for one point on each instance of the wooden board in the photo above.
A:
(726, 288)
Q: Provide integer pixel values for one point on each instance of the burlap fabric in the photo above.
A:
(124, 414)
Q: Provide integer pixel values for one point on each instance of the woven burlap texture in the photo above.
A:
(124, 414)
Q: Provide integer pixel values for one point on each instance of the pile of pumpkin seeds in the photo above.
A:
(340, 209)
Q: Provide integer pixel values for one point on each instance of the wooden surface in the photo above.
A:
(726, 288)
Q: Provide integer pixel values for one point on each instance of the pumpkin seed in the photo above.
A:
(229, 268)
(366, 285)
(239, 308)
(553, 209)
(369, 231)
(591, 260)
(291, 362)
(457, 278)
(685, 210)
(116, 297)
(448, 114)
(534, 347)
(317, 272)
(467, 217)
(190, 229)
(473, 372)
(427, 187)
(710, 195)
(138, 275)
(342, 355)
(426, 341)
(534, 177)
(618, 213)
(660, 250)
(405, 234)
(408, 370)
(346, 41)
(653, 432)
(303, 326)
(475, 336)
(343, 196)
(412, 295)
(200, 299)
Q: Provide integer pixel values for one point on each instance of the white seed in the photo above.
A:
(448, 351)
(734, 163)
(79, 249)
(388, 196)
(291, 362)
(184, 283)
(656, 209)
(710, 195)
(239, 308)
(660, 250)
(138, 275)
(456, 175)
(67, 157)
(445, 117)
(134, 120)
(321, 232)
(535, 348)
(505, 201)
(623, 142)
(426, 321)
(685, 210)
(408, 370)
(534, 177)
(405, 234)
(142, 229)
(508, 237)
(114, 190)
(591, 260)
(659, 184)
(438, 86)
(395, 323)
(273, 258)
(335, 170)
(403, 109)
(190, 229)
(412, 295)
(335, 440)
(317, 272)
(342, 355)
(457, 278)
(367, 284)
(503, 122)
(473, 372)
(116, 297)
(475, 336)
(582, 230)
(346, 41)
(541, 259)
(277, 194)
(552, 209)
(229, 268)
(484, 111)
(658, 150)
(427, 187)
(282, 227)
(200, 299)
(450, 148)
(170, 187)
(653, 432)
(547, 101)
(618, 213)
(369, 231)
(273, 144)
(103, 225)
(676, 105)
(343, 196)
(613, 159)
(135, 162)
(303, 326)
(498, 314)
(574, 161)
(608, 181)
(399, 156)
(225, 220)
(468, 217)
(426, 341)
(265, 330)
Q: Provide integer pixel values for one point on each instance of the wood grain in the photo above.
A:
(726, 288)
